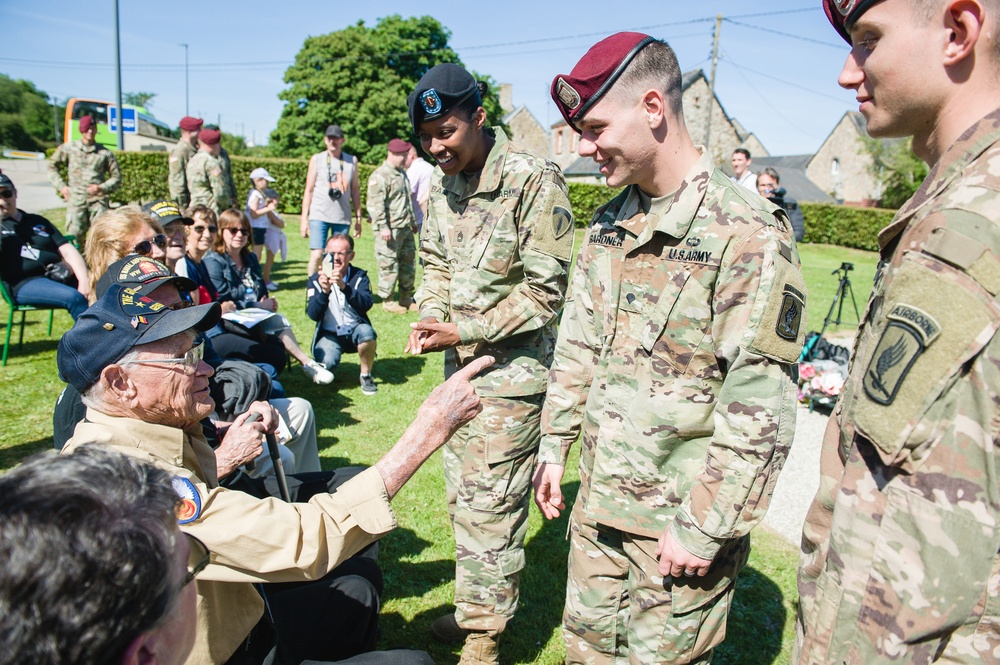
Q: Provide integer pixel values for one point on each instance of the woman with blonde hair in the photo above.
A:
(120, 232)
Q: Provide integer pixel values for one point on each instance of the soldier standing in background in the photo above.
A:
(227, 167)
(900, 546)
(496, 246)
(182, 153)
(675, 360)
(205, 175)
(390, 207)
(93, 175)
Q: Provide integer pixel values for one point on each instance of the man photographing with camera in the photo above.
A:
(331, 197)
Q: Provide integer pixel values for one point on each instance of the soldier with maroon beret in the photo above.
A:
(900, 547)
(179, 158)
(674, 362)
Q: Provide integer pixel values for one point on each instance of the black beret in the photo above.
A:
(843, 14)
(439, 91)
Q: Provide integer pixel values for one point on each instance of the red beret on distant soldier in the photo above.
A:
(210, 136)
(189, 124)
(86, 122)
(577, 92)
(843, 13)
(399, 145)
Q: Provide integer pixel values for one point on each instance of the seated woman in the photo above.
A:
(236, 274)
(118, 233)
(201, 236)
(29, 244)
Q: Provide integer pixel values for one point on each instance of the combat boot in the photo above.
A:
(480, 649)
(409, 304)
(393, 307)
(446, 629)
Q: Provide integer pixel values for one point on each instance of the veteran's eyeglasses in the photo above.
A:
(189, 363)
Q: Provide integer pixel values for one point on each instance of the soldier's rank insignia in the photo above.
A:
(567, 94)
(909, 332)
(562, 221)
(430, 101)
(790, 316)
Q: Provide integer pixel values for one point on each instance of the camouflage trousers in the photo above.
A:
(396, 259)
(79, 218)
(620, 609)
(488, 466)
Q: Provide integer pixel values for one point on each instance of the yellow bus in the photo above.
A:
(142, 130)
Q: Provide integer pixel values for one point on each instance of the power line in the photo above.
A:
(790, 35)
(788, 83)
(725, 58)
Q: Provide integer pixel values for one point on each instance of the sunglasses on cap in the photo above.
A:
(146, 246)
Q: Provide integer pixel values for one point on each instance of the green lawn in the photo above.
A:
(418, 558)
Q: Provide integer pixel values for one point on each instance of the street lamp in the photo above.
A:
(186, 112)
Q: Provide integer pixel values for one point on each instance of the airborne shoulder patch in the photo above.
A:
(909, 332)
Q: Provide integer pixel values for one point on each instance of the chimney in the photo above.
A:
(506, 97)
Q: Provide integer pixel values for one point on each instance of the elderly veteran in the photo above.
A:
(141, 375)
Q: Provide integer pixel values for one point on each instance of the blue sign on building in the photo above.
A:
(128, 126)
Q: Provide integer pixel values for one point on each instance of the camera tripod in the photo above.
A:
(843, 290)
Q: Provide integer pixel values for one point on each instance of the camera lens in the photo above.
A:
(334, 193)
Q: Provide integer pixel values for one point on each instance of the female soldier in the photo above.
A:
(496, 246)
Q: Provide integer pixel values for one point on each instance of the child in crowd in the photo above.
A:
(261, 211)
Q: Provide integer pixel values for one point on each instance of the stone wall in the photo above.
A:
(840, 166)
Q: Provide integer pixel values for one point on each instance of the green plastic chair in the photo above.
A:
(13, 307)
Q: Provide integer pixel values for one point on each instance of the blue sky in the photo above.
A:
(776, 73)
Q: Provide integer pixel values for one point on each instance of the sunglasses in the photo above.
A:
(198, 558)
(199, 229)
(146, 246)
(7, 193)
(236, 230)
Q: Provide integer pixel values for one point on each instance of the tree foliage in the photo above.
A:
(143, 99)
(359, 78)
(26, 119)
(897, 168)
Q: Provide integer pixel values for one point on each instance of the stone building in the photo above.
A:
(842, 167)
(524, 127)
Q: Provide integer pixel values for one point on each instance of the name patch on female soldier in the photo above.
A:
(909, 332)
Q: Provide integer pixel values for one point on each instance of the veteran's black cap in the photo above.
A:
(440, 90)
(843, 14)
(165, 212)
(122, 319)
(142, 273)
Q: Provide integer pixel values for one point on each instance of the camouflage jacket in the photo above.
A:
(227, 172)
(177, 181)
(496, 254)
(900, 546)
(389, 203)
(85, 165)
(674, 358)
(207, 182)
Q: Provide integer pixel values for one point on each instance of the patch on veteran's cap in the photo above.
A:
(133, 303)
(142, 269)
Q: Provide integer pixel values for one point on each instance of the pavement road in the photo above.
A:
(34, 191)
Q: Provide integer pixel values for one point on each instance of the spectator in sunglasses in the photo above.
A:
(31, 251)
(119, 232)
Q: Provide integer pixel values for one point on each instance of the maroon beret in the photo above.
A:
(209, 136)
(575, 93)
(843, 14)
(189, 124)
(399, 145)
(86, 122)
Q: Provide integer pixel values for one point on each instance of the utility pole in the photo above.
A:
(711, 86)
(55, 118)
(118, 82)
(186, 98)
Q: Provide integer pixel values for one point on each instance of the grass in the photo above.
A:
(418, 558)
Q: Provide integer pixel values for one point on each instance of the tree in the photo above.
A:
(27, 121)
(896, 167)
(143, 99)
(359, 78)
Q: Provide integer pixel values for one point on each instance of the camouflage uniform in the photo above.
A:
(227, 172)
(674, 359)
(177, 182)
(496, 253)
(85, 165)
(900, 548)
(390, 206)
(207, 182)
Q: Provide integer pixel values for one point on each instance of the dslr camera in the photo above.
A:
(334, 193)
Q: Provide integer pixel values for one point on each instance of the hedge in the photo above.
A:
(144, 179)
(845, 226)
